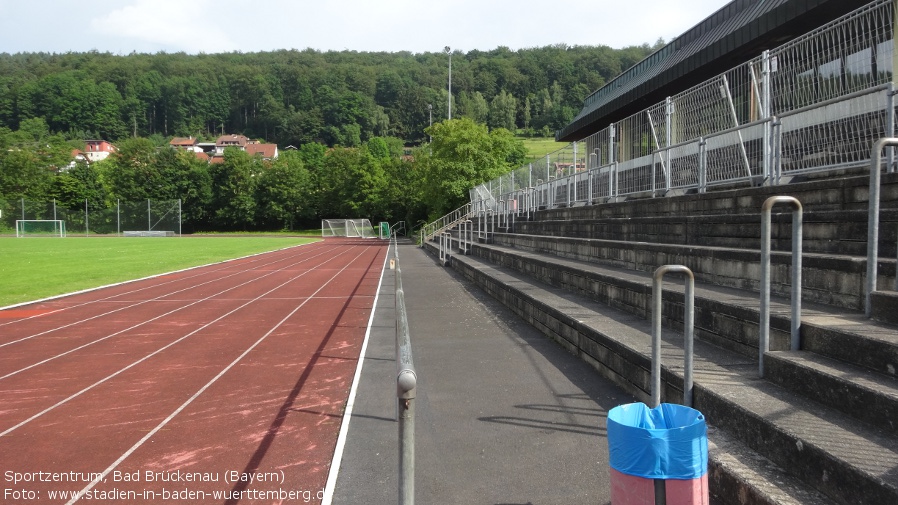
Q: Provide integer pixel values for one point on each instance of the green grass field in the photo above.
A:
(34, 268)
(539, 147)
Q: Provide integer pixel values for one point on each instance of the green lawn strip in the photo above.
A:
(538, 148)
(35, 268)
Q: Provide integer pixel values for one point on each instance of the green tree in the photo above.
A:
(132, 174)
(234, 190)
(284, 191)
(462, 155)
(187, 178)
(473, 106)
(503, 111)
(81, 183)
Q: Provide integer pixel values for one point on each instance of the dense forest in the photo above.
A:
(366, 105)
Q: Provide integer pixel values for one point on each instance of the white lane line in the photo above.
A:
(337, 460)
(99, 478)
(148, 356)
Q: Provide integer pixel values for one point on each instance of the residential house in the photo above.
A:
(238, 141)
(97, 150)
(186, 144)
(266, 151)
(77, 155)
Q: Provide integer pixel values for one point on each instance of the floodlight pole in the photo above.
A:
(449, 52)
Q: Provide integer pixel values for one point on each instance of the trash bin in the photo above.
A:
(668, 443)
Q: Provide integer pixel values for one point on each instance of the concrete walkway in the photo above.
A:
(504, 415)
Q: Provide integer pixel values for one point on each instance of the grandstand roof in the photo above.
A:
(737, 32)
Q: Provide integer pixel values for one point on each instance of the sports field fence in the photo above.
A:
(142, 218)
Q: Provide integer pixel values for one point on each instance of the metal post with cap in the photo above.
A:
(406, 383)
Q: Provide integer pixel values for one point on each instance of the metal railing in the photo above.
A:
(814, 104)
(795, 326)
(406, 388)
(431, 230)
(445, 246)
(465, 236)
(873, 223)
(688, 331)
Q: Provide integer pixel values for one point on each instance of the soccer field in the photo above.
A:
(35, 268)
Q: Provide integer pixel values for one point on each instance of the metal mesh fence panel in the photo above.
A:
(683, 166)
(836, 134)
(602, 182)
(736, 154)
(634, 137)
(598, 149)
(636, 175)
(847, 55)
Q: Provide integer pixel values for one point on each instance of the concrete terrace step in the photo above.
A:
(828, 232)
(826, 194)
(830, 279)
(729, 318)
(872, 398)
(885, 306)
(724, 316)
(825, 449)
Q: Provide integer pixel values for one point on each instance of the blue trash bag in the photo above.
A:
(667, 442)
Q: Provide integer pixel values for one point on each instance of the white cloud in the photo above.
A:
(211, 26)
(192, 26)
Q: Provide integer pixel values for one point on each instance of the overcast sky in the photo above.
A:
(214, 26)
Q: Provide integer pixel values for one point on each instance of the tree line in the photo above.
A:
(344, 122)
(378, 180)
(292, 97)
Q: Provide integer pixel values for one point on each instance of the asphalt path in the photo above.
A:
(504, 415)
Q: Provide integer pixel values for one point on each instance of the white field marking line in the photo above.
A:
(147, 321)
(137, 304)
(337, 460)
(124, 456)
(55, 297)
(148, 356)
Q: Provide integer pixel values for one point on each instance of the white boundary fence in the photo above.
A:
(815, 104)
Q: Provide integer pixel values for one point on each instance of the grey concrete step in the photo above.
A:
(829, 279)
(726, 317)
(826, 232)
(824, 448)
(835, 194)
(885, 306)
(872, 398)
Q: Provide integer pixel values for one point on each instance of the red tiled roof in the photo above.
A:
(183, 142)
(268, 151)
(231, 140)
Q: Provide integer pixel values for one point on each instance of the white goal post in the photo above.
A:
(40, 228)
(347, 228)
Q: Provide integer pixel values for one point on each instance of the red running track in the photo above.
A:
(220, 384)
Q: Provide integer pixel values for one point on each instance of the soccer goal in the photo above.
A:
(40, 228)
(347, 228)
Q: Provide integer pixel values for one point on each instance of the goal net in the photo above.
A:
(347, 228)
(40, 228)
